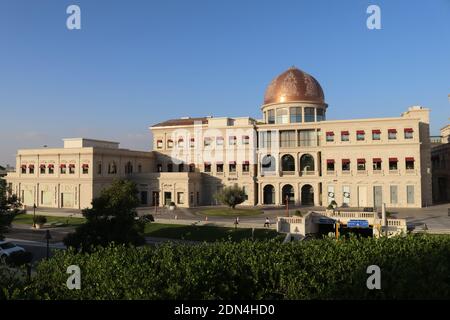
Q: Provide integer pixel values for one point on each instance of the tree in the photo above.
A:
(8, 208)
(112, 218)
(231, 196)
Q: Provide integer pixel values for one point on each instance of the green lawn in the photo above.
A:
(28, 219)
(206, 233)
(228, 212)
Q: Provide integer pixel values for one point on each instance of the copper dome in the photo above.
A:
(294, 85)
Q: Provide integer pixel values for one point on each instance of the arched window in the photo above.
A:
(269, 194)
(128, 168)
(170, 167)
(181, 167)
(112, 168)
(306, 163)
(287, 163)
(307, 195)
(288, 193)
(268, 163)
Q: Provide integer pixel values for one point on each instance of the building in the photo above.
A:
(440, 162)
(293, 154)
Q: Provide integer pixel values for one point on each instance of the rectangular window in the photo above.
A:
(409, 163)
(207, 167)
(31, 169)
(192, 167)
(265, 139)
(180, 143)
(320, 114)
(282, 116)
(42, 168)
(345, 164)
(219, 167)
(393, 163)
(309, 115)
(307, 138)
(361, 164)
(296, 114)
(244, 189)
(393, 194)
(346, 195)
(99, 168)
(410, 194)
(232, 140)
(207, 141)
(180, 197)
(232, 166)
(287, 139)
(159, 167)
(245, 166)
(245, 140)
(71, 169)
(85, 168)
(192, 143)
(360, 135)
(62, 169)
(219, 141)
(169, 167)
(330, 165)
(24, 169)
(169, 143)
(345, 136)
(408, 133)
(159, 144)
(330, 136)
(392, 134)
(51, 169)
(376, 164)
(271, 116)
(376, 134)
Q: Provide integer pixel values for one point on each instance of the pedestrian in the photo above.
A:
(267, 223)
(236, 222)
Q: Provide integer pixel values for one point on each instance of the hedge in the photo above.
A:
(412, 267)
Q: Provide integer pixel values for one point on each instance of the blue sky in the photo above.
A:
(135, 63)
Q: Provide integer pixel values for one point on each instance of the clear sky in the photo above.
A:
(135, 63)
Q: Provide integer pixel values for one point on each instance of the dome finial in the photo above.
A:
(293, 67)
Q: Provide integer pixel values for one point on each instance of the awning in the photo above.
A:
(361, 160)
(393, 159)
(345, 161)
(219, 138)
(246, 162)
(376, 159)
(71, 165)
(409, 158)
(62, 165)
(31, 166)
(219, 162)
(330, 133)
(376, 131)
(409, 130)
(360, 132)
(42, 166)
(392, 130)
(232, 162)
(192, 139)
(207, 163)
(344, 132)
(330, 160)
(245, 137)
(51, 166)
(85, 165)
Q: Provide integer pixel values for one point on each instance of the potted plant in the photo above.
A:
(298, 213)
(39, 221)
(172, 206)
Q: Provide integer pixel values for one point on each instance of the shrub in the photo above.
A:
(298, 213)
(40, 219)
(231, 196)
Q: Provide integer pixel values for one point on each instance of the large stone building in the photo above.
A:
(440, 161)
(292, 154)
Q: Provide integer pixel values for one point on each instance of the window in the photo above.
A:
(393, 194)
(99, 168)
(192, 143)
(271, 116)
(192, 167)
(181, 167)
(62, 169)
(320, 114)
(170, 143)
(71, 168)
(31, 168)
(330, 165)
(345, 164)
(329, 136)
(265, 139)
(232, 166)
(392, 134)
(139, 168)
(170, 167)
(309, 115)
(376, 134)
(245, 140)
(376, 162)
(207, 167)
(51, 169)
(307, 163)
(287, 139)
(42, 168)
(287, 163)
(180, 197)
(307, 138)
(393, 163)
(361, 164)
(159, 167)
(232, 140)
(410, 194)
(85, 168)
(245, 166)
(244, 189)
(360, 135)
(219, 167)
(268, 163)
(296, 114)
(128, 168)
(112, 168)
(219, 141)
(180, 143)
(409, 163)
(409, 133)
(207, 141)
(282, 116)
(345, 136)
(159, 144)
(24, 169)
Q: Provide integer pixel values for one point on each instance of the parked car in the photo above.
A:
(6, 248)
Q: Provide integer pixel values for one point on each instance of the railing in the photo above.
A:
(290, 219)
(396, 222)
(349, 214)
(307, 173)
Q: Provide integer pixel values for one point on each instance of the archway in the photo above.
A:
(268, 163)
(306, 163)
(269, 194)
(287, 163)
(307, 195)
(288, 191)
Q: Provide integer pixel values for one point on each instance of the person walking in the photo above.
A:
(267, 223)
(236, 222)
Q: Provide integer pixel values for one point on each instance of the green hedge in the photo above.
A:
(411, 267)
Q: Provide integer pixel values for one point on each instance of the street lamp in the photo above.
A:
(48, 236)
(34, 215)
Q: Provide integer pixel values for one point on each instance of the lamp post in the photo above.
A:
(34, 215)
(48, 236)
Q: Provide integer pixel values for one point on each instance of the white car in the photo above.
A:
(6, 248)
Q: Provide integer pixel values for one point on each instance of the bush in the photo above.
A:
(298, 213)
(19, 258)
(412, 267)
(231, 196)
(40, 220)
(147, 218)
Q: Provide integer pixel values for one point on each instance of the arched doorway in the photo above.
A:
(269, 194)
(288, 191)
(268, 163)
(307, 195)
(287, 163)
(307, 163)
